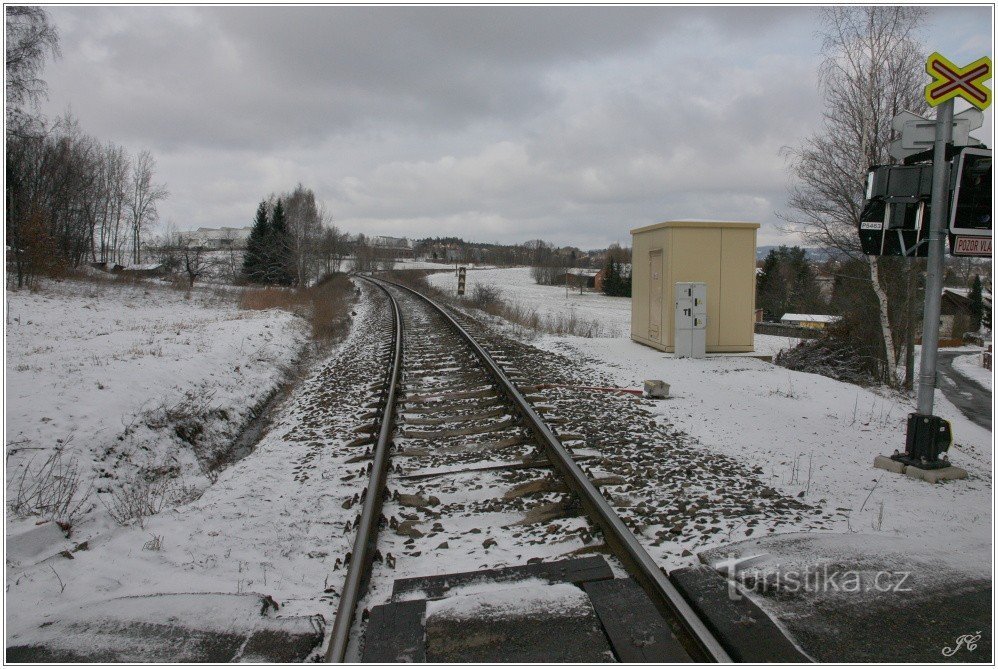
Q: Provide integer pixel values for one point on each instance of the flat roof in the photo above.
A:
(814, 318)
(696, 224)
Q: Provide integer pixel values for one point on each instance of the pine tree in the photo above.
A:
(771, 289)
(254, 268)
(976, 303)
(278, 261)
(787, 284)
(611, 282)
(805, 294)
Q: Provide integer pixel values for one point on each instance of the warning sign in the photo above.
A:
(971, 246)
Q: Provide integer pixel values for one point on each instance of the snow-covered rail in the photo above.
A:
(454, 397)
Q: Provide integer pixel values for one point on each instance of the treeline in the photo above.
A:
(292, 242)
(70, 197)
(549, 263)
(535, 253)
(787, 284)
(852, 349)
(617, 272)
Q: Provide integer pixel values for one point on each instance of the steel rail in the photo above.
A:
(367, 529)
(699, 641)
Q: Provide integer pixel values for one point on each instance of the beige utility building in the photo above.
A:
(720, 254)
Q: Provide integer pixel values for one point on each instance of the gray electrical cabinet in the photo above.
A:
(691, 320)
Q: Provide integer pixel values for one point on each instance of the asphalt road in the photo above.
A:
(969, 396)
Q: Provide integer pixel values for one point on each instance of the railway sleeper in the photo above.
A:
(458, 432)
(457, 418)
(431, 398)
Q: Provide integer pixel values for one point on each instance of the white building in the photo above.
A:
(222, 238)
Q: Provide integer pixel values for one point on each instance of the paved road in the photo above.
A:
(969, 396)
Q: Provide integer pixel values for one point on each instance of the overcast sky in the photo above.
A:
(493, 124)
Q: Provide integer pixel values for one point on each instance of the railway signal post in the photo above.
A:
(928, 435)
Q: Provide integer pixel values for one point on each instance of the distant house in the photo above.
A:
(586, 278)
(625, 272)
(955, 314)
(221, 238)
(814, 321)
(140, 270)
(390, 247)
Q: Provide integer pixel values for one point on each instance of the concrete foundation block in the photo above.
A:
(884, 462)
(657, 389)
(936, 475)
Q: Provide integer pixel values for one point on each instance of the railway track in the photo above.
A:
(464, 470)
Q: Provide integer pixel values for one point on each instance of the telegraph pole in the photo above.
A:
(934, 267)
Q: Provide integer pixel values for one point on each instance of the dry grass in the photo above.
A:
(54, 489)
(325, 305)
(261, 299)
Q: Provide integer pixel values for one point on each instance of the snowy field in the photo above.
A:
(613, 314)
(115, 382)
(271, 523)
(815, 437)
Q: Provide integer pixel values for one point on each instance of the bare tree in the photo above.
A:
(305, 219)
(142, 199)
(29, 38)
(332, 248)
(114, 175)
(872, 70)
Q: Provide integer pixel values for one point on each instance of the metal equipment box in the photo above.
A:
(691, 320)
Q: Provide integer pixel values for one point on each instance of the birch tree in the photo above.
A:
(305, 221)
(29, 39)
(872, 69)
(142, 200)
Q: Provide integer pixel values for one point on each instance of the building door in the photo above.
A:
(655, 295)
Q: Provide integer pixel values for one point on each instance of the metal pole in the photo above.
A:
(934, 267)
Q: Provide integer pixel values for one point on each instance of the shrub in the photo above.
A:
(54, 489)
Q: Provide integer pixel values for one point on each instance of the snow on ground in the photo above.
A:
(527, 599)
(814, 437)
(272, 523)
(116, 376)
(970, 366)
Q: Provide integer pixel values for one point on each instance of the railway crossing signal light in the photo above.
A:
(971, 210)
(895, 217)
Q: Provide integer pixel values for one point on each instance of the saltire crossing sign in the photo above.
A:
(950, 81)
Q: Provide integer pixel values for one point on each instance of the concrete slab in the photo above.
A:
(869, 598)
(395, 633)
(936, 475)
(635, 628)
(172, 628)
(747, 632)
(884, 462)
(656, 389)
(536, 624)
(573, 570)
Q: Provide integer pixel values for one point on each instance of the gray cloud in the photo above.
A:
(573, 124)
